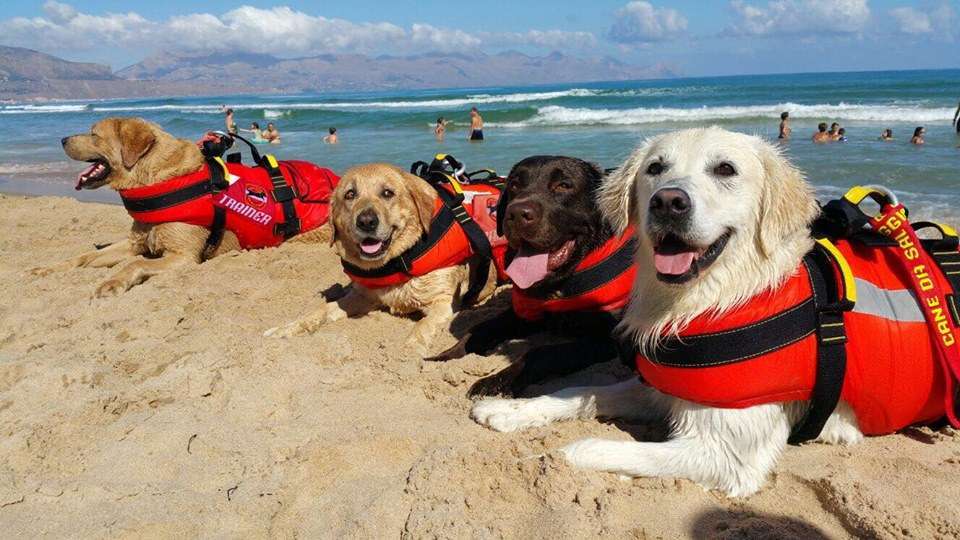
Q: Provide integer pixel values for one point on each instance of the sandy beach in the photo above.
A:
(165, 413)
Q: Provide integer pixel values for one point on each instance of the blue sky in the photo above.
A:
(694, 38)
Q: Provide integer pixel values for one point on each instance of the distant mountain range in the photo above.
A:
(29, 75)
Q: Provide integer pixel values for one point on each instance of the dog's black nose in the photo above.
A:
(525, 213)
(367, 221)
(63, 141)
(670, 203)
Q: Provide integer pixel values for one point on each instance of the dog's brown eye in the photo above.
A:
(387, 193)
(724, 169)
(563, 185)
(350, 195)
(655, 169)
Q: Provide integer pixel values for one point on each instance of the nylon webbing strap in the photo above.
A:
(167, 200)
(831, 346)
(478, 240)
(284, 194)
(216, 232)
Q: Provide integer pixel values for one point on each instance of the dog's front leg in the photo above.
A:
(109, 256)
(436, 317)
(355, 303)
(627, 399)
(731, 450)
(141, 270)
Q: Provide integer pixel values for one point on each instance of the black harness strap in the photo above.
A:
(831, 346)
(284, 194)
(167, 200)
(592, 278)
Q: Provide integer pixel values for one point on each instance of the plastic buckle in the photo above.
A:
(287, 229)
(284, 194)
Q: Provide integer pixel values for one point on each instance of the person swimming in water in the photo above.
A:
(918, 136)
(255, 131)
(821, 136)
(842, 135)
(834, 132)
(271, 135)
(784, 125)
(887, 135)
(332, 138)
(476, 125)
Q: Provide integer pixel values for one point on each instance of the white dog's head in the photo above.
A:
(713, 209)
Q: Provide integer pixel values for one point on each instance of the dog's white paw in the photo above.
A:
(505, 415)
(596, 454)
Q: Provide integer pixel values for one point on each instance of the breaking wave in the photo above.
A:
(553, 115)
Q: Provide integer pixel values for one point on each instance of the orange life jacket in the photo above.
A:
(600, 282)
(262, 205)
(766, 350)
(463, 225)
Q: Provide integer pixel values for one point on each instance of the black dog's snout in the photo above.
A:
(526, 214)
(367, 221)
(670, 204)
(63, 141)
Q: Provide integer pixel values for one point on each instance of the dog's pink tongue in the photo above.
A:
(674, 264)
(371, 247)
(83, 176)
(525, 270)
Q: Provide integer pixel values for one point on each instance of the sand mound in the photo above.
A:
(163, 412)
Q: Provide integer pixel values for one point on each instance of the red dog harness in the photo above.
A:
(601, 282)
(463, 225)
(866, 320)
(262, 205)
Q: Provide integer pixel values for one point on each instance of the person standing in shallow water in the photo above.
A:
(441, 128)
(784, 126)
(476, 125)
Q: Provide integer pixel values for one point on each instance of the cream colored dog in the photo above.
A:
(745, 231)
(379, 211)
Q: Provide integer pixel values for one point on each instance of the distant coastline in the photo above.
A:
(31, 76)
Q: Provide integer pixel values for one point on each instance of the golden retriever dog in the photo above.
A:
(745, 231)
(378, 212)
(126, 153)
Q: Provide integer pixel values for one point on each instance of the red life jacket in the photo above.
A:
(601, 282)
(766, 350)
(262, 205)
(462, 225)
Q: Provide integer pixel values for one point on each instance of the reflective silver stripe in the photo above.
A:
(896, 305)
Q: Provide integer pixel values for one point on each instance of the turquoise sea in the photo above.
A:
(601, 122)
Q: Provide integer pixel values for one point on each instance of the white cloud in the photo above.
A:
(279, 30)
(911, 21)
(641, 22)
(939, 23)
(791, 17)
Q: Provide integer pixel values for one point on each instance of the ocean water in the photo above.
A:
(601, 122)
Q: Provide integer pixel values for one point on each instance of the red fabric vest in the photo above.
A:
(250, 207)
(609, 294)
(893, 379)
(453, 247)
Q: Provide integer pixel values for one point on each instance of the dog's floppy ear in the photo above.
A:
(787, 203)
(136, 139)
(615, 196)
(424, 197)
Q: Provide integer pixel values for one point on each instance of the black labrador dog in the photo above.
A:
(551, 221)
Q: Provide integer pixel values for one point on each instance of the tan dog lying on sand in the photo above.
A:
(128, 153)
(378, 212)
